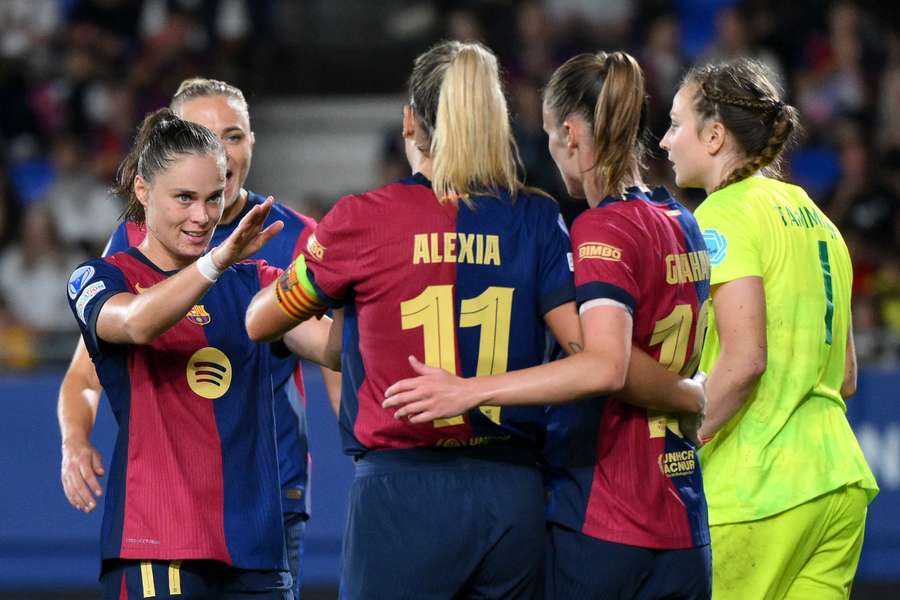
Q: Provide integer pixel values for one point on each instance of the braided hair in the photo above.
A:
(743, 96)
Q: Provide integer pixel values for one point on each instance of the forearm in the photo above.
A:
(332, 381)
(650, 385)
(730, 383)
(79, 397)
(144, 317)
(575, 377)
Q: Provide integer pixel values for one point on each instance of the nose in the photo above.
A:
(200, 212)
(664, 142)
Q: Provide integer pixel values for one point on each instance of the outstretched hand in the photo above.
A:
(248, 237)
(434, 394)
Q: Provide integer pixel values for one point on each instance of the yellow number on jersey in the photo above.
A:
(432, 310)
(673, 332)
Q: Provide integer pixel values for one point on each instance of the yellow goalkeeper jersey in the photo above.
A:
(791, 441)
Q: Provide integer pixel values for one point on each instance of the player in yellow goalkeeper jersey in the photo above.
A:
(786, 481)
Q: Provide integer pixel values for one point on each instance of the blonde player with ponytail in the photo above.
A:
(786, 481)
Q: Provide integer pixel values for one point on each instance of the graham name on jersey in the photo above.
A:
(687, 266)
(454, 247)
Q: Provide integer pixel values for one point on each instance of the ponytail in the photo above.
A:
(607, 90)
(457, 97)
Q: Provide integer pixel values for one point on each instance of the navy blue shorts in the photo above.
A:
(579, 566)
(445, 523)
(123, 579)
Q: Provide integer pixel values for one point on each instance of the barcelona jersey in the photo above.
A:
(290, 399)
(194, 474)
(461, 288)
(621, 473)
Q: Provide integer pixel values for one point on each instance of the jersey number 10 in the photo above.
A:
(432, 310)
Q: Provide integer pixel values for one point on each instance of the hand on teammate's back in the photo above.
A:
(81, 465)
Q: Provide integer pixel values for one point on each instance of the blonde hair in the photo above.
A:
(607, 90)
(200, 87)
(456, 94)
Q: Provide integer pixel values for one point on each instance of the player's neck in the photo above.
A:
(231, 213)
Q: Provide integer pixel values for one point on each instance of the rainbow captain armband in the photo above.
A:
(296, 295)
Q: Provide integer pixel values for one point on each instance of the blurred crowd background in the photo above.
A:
(76, 76)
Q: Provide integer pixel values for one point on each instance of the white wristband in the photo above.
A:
(207, 267)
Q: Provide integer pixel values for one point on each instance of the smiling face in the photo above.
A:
(564, 152)
(227, 117)
(183, 203)
(684, 141)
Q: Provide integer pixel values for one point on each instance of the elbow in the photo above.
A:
(608, 377)
(253, 324)
(848, 388)
(139, 334)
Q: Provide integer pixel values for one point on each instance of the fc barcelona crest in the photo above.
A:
(198, 315)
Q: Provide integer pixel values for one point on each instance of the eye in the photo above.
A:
(215, 198)
(185, 198)
(234, 138)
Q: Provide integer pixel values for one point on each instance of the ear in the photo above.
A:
(141, 191)
(569, 132)
(713, 137)
(409, 122)
(252, 139)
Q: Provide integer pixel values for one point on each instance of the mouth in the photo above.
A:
(196, 237)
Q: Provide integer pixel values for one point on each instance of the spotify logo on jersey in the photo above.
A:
(209, 373)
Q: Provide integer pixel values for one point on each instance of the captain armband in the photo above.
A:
(296, 295)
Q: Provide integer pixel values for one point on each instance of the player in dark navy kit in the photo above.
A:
(462, 265)
(223, 109)
(194, 504)
(627, 515)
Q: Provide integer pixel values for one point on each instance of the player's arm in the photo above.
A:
(332, 378)
(283, 304)
(79, 397)
(601, 368)
(740, 308)
(848, 387)
(647, 383)
(310, 340)
(140, 318)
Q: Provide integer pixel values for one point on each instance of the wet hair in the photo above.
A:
(607, 90)
(744, 96)
(456, 95)
(199, 87)
(161, 138)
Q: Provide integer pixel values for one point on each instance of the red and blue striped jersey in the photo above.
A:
(622, 473)
(194, 473)
(290, 398)
(461, 288)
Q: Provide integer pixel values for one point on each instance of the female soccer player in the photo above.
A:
(786, 481)
(463, 265)
(191, 393)
(626, 508)
(222, 108)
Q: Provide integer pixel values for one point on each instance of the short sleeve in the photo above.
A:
(331, 250)
(731, 239)
(556, 286)
(89, 287)
(607, 254)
